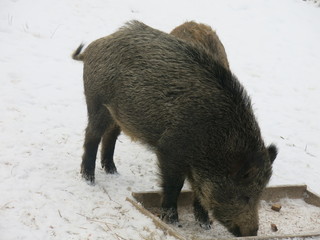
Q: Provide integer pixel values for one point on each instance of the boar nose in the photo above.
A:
(236, 231)
(249, 232)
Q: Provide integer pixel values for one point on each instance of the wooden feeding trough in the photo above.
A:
(298, 216)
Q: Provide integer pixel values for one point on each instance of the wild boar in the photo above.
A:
(203, 35)
(190, 110)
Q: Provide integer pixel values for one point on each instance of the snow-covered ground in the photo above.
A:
(273, 47)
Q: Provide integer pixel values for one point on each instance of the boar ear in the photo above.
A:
(273, 152)
(247, 168)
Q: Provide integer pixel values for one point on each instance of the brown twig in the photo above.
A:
(60, 213)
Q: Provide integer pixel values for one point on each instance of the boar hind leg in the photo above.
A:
(98, 121)
(201, 215)
(172, 183)
(90, 146)
(108, 144)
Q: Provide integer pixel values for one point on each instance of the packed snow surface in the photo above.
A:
(272, 46)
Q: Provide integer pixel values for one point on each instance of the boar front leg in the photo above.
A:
(201, 215)
(172, 183)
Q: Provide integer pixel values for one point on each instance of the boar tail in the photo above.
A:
(76, 54)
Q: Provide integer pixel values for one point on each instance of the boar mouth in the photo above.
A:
(237, 232)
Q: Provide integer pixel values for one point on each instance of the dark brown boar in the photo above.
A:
(203, 35)
(193, 113)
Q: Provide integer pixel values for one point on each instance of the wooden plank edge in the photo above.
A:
(169, 230)
(165, 227)
(311, 197)
(288, 186)
(287, 236)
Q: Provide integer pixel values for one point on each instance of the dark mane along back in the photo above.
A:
(224, 77)
(199, 55)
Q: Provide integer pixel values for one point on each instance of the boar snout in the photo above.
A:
(240, 220)
(248, 224)
(244, 231)
(252, 232)
(246, 228)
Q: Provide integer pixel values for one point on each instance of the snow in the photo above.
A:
(273, 47)
(296, 217)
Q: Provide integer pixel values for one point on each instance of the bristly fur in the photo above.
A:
(226, 79)
(223, 76)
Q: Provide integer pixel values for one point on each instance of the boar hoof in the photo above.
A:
(206, 226)
(110, 168)
(179, 225)
(170, 216)
(88, 177)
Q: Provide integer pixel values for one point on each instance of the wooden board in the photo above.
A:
(152, 199)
